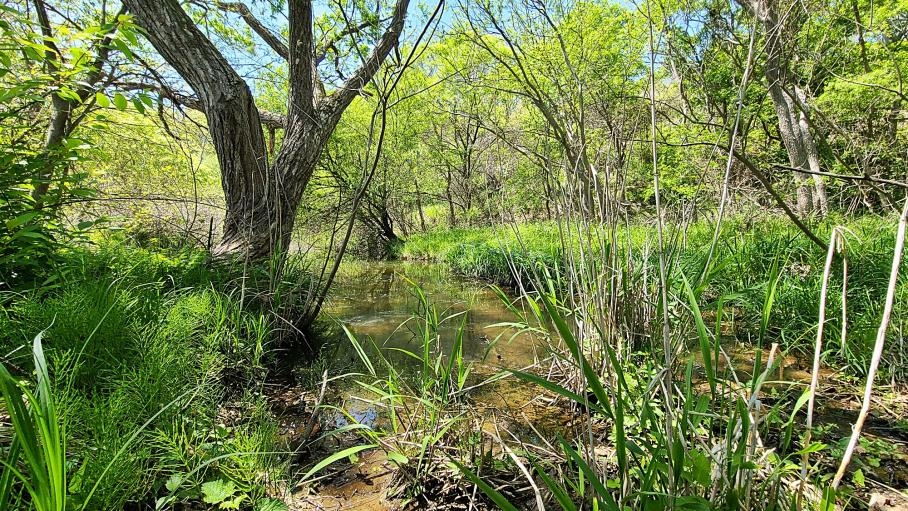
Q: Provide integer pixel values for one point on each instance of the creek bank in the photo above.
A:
(377, 300)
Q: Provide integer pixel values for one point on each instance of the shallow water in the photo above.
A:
(378, 301)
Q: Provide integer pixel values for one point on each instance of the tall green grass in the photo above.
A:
(39, 440)
(143, 349)
(664, 420)
(425, 413)
(743, 260)
(715, 457)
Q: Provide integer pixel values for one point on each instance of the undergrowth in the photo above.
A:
(144, 347)
(747, 250)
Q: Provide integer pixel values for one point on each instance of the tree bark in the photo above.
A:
(262, 199)
(422, 217)
(789, 102)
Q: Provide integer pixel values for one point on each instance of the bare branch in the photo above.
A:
(335, 104)
(331, 44)
(270, 38)
(270, 119)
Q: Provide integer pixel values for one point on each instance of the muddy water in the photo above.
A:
(379, 304)
(377, 301)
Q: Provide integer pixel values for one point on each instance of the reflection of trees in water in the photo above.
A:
(376, 285)
(383, 282)
(381, 298)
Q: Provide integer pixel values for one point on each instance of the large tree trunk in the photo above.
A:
(789, 102)
(262, 198)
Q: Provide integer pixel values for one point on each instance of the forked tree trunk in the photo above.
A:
(262, 199)
(789, 102)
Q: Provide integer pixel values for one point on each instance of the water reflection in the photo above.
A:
(378, 301)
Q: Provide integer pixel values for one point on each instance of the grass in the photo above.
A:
(427, 414)
(40, 440)
(618, 453)
(143, 349)
(665, 434)
(744, 259)
(484, 252)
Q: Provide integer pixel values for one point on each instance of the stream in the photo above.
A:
(379, 303)
(377, 300)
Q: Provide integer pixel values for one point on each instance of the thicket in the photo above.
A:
(135, 370)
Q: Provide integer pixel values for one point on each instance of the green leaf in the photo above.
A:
(120, 102)
(557, 489)
(700, 468)
(858, 478)
(500, 500)
(556, 389)
(359, 350)
(828, 502)
(336, 457)
(122, 47)
(591, 476)
(140, 107)
(398, 458)
(68, 94)
(217, 491)
(82, 192)
(102, 100)
(233, 503)
(702, 335)
(692, 502)
(164, 502)
(270, 505)
(814, 447)
(174, 483)
(130, 36)
(22, 219)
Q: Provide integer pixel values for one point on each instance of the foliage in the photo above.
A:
(140, 365)
(39, 438)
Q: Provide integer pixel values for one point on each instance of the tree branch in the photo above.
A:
(846, 177)
(270, 119)
(270, 38)
(764, 180)
(335, 104)
(104, 47)
(331, 44)
(302, 70)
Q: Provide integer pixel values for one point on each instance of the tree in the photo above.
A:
(53, 75)
(789, 101)
(262, 195)
(569, 75)
(81, 71)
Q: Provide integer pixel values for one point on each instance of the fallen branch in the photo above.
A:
(846, 177)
